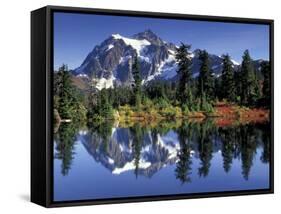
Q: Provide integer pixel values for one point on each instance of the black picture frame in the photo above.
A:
(41, 105)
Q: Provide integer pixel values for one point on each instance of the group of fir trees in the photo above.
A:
(241, 86)
(250, 89)
(68, 101)
(188, 89)
(99, 105)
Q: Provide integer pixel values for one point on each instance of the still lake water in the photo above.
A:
(111, 161)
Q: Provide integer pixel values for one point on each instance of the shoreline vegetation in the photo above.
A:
(223, 115)
(233, 97)
(220, 110)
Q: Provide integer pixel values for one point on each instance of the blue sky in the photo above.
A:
(75, 35)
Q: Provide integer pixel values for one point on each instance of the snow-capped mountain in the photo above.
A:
(110, 63)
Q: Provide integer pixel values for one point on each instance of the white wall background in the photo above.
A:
(15, 99)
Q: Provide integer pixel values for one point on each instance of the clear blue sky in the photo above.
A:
(75, 35)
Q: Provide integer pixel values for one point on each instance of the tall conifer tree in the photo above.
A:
(266, 71)
(206, 78)
(183, 59)
(247, 78)
(65, 92)
(137, 79)
(228, 82)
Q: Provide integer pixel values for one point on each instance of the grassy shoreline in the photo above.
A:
(223, 114)
(221, 111)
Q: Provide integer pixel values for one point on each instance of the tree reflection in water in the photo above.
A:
(183, 168)
(64, 145)
(150, 148)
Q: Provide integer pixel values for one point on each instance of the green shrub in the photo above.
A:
(207, 107)
(171, 112)
(161, 103)
(186, 109)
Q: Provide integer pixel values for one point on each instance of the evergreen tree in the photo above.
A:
(266, 71)
(247, 78)
(99, 105)
(218, 88)
(238, 85)
(137, 85)
(256, 91)
(92, 101)
(64, 92)
(206, 78)
(184, 63)
(105, 107)
(228, 81)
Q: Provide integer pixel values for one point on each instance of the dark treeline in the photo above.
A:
(242, 87)
(68, 101)
(203, 139)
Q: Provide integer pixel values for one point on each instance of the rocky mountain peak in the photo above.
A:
(196, 52)
(150, 36)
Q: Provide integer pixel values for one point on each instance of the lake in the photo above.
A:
(112, 160)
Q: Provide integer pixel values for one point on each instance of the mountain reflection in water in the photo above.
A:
(187, 151)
